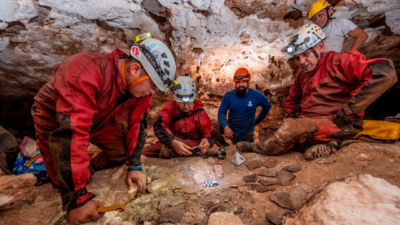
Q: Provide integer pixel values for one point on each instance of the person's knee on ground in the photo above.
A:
(265, 133)
(292, 131)
(217, 134)
(322, 150)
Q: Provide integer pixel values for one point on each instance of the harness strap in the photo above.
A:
(186, 116)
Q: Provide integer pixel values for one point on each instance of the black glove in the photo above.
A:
(343, 121)
(347, 121)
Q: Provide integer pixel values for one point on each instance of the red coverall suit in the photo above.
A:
(86, 101)
(189, 127)
(339, 80)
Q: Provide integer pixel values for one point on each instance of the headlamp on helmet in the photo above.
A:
(185, 98)
(186, 91)
(290, 49)
(306, 37)
(241, 74)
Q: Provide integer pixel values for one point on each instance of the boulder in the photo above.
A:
(361, 199)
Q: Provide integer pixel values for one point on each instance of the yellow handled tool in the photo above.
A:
(121, 208)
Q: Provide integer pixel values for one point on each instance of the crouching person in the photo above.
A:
(182, 125)
(104, 99)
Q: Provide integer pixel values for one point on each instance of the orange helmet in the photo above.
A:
(241, 74)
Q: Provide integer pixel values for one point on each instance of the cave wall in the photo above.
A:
(210, 39)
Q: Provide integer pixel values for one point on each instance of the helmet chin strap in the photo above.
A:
(329, 16)
(316, 55)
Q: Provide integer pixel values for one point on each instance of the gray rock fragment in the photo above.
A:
(254, 164)
(277, 216)
(292, 168)
(263, 189)
(250, 178)
(270, 163)
(284, 177)
(267, 182)
(307, 188)
(282, 199)
(268, 172)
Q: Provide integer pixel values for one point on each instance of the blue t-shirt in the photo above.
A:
(242, 110)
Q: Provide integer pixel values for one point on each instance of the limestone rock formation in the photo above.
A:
(210, 40)
(16, 188)
(361, 199)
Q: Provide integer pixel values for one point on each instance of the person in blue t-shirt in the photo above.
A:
(242, 103)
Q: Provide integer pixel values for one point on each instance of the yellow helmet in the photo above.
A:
(316, 7)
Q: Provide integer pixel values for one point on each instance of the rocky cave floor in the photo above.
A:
(179, 197)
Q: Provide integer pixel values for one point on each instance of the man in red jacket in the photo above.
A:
(182, 125)
(104, 99)
(327, 100)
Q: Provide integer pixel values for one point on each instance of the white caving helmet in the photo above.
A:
(306, 37)
(156, 59)
(187, 91)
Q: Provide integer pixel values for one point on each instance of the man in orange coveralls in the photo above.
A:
(182, 125)
(104, 99)
(327, 100)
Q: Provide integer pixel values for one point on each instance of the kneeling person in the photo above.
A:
(182, 125)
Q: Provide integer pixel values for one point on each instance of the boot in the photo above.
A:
(322, 150)
(245, 146)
